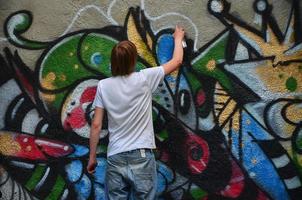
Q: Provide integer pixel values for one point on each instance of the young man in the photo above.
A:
(127, 98)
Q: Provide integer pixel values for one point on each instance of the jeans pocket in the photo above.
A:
(113, 178)
(143, 182)
(145, 175)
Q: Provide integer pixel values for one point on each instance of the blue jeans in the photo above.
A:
(131, 175)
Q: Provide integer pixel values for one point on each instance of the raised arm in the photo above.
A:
(176, 60)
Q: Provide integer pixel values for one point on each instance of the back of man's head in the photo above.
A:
(123, 58)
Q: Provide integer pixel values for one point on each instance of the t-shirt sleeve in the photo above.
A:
(154, 76)
(98, 101)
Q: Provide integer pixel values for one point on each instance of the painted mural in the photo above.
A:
(228, 123)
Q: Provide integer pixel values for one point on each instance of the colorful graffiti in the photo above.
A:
(228, 123)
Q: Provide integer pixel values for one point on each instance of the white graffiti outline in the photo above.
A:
(109, 11)
(142, 4)
(172, 14)
(3, 39)
(109, 17)
(78, 14)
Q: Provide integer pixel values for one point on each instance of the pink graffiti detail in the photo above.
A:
(197, 153)
(236, 184)
(32, 148)
(88, 95)
(53, 148)
(200, 97)
(76, 118)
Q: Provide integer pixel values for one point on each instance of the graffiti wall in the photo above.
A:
(228, 123)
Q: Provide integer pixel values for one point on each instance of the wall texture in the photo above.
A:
(228, 123)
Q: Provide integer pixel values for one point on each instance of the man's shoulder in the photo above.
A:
(105, 81)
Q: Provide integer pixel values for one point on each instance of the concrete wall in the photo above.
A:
(228, 124)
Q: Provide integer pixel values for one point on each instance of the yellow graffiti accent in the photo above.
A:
(288, 129)
(236, 121)
(8, 147)
(47, 83)
(270, 72)
(272, 47)
(48, 97)
(62, 77)
(135, 37)
(221, 97)
(228, 110)
(294, 113)
(211, 65)
(149, 41)
(224, 101)
(270, 76)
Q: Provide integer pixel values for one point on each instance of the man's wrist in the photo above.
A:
(92, 156)
(177, 40)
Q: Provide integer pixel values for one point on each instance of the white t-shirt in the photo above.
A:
(128, 101)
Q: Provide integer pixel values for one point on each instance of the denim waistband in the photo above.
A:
(137, 150)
